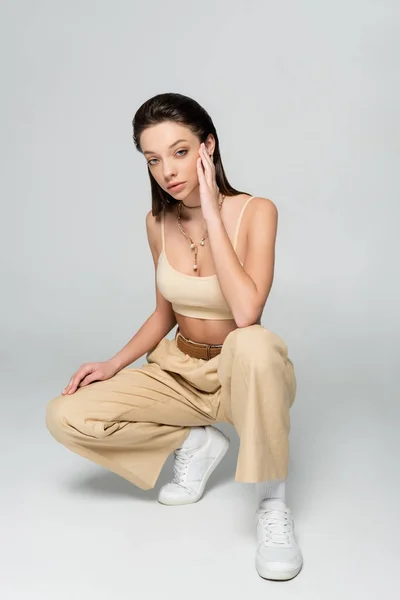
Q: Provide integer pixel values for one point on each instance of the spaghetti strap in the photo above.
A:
(239, 222)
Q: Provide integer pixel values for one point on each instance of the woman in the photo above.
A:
(213, 249)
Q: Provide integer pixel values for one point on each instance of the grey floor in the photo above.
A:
(72, 530)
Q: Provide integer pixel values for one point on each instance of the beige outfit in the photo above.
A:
(194, 296)
(130, 423)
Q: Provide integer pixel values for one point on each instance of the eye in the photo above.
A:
(150, 162)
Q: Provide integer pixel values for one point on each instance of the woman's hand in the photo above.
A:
(98, 371)
(209, 193)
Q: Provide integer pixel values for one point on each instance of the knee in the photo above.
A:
(258, 345)
(56, 416)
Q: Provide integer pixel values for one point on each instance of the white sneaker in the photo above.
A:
(278, 554)
(193, 467)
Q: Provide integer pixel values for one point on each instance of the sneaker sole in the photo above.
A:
(278, 575)
(211, 468)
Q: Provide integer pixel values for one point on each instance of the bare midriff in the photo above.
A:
(203, 330)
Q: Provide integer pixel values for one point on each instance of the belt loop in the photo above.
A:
(208, 352)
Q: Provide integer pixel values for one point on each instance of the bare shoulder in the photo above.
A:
(264, 205)
(264, 211)
(153, 229)
(261, 211)
(151, 221)
(262, 219)
(257, 203)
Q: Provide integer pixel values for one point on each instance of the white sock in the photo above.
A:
(271, 489)
(196, 438)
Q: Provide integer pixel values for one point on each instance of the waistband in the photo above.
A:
(196, 349)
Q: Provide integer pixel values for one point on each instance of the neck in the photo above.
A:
(190, 214)
(192, 199)
(187, 206)
(190, 208)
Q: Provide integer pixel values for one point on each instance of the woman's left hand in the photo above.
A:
(209, 193)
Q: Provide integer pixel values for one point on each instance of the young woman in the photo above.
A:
(213, 249)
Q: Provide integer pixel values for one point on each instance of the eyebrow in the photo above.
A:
(171, 146)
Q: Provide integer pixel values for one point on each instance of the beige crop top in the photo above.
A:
(191, 295)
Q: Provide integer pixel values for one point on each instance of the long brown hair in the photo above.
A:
(185, 111)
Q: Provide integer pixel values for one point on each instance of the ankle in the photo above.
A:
(266, 490)
(196, 438)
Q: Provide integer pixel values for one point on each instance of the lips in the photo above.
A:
(176, 187)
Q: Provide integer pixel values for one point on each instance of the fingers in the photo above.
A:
(92, 377)
(76, 379)
(207, 164)
(205, 155)
(200, 171)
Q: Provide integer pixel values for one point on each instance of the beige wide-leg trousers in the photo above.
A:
(131, 422)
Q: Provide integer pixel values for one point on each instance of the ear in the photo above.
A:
(210, 144)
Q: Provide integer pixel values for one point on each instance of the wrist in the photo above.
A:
(213, 220)
(116, 362)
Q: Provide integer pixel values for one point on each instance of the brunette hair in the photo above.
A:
(185, 111)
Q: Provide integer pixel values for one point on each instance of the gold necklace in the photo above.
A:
(193, 246)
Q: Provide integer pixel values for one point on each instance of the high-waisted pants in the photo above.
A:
(131, 422)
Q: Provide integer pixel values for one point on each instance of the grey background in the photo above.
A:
(305, 99)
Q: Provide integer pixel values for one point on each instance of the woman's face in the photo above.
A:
(171, 152)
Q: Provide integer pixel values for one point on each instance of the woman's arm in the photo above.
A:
(151, 332)
(246, 288)
(160, 322)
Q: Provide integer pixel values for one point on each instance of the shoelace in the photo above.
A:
(276, 525)
(182, 461)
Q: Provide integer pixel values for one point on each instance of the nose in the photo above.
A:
(169, 171)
